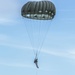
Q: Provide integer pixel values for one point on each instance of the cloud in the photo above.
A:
(7, 41)
(18, 46)
(6, 21)
(52, 52)
(66, 54)
(67, 19)
(16, 65)
(72, 53)
(7, 7)
(8, 10)
(3, 38)
(22, 65)
(55, 53)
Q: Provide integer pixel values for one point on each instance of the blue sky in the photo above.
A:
(57, 55)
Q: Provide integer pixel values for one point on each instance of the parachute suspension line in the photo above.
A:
(32, 45)
(36, 56)
(38, 39)
(40, 26)
(45, 10)
(39, 35)
(44, 38)
(38, 10)
(33, 38)
(32, 27)
(40, 49)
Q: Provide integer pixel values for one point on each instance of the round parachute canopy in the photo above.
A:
(39, 10)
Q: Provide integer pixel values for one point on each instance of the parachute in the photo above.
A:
(38, 16)
(39, 10)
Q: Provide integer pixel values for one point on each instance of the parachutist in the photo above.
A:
(36, 62)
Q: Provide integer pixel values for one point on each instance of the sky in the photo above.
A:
(57, 55)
